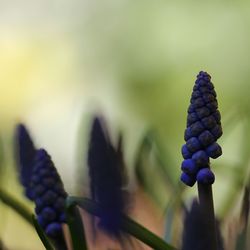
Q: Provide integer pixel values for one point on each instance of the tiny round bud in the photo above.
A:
(214, 150)
(203, 112)
(48, 214)
(209, 122)
(198, 103)
(193, 144)
(205, 176)
(196, 128)
(53, 230)
(187, 134)
(187, 179)
(200, 158)
(206, 138)
(217, 131)
(188, 166)
(185, 152)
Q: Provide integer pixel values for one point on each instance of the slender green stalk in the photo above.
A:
(207, 208)
(60, 244)
(16, 205)
(76, 228)
(128, 225)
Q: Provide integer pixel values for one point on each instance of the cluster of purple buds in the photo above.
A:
(203, 130)
(41, 182)
(48, 194)
(25, 153)
(107, 177)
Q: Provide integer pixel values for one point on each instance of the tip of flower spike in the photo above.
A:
(41, 153)
(107, 176)
(195, 231)
(21, 129)
(203, 74)
(25, 152)
(98, 126)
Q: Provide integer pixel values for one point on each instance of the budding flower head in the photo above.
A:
(203, 130)
(25, 153)
(48, 194)
(107, 177)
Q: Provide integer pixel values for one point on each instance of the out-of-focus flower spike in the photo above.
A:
(120, 156)
(25, 153)
(49, 196)
(106, 172)
(97, 153)
(195, 231)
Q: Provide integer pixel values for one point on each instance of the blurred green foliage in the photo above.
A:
(134, 61)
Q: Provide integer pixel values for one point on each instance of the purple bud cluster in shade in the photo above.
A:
(25, 153)
(203, 130)
(107, 177)
(48, 194)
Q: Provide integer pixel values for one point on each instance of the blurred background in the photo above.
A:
(135, 62)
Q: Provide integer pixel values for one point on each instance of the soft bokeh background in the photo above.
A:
(133, 61)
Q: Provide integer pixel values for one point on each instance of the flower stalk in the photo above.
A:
(203, 130)
(205, 194)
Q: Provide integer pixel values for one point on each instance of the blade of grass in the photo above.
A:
(44, 239)
(76, 227)
(242, 237)
(128, 225)
(17, 206)
(150, 166)
(240, 171)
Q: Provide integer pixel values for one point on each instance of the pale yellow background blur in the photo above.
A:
(134, 61)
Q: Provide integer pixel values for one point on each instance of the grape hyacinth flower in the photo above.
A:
(25, 153)
(203, 130)
(107, 178)
(49, 196)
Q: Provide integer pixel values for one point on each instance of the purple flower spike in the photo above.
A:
(25, 153)
(107, 177)
(49, 195)
(203, 129)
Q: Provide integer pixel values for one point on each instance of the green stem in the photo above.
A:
(207, 207)
(17, 206)
(76, 228)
